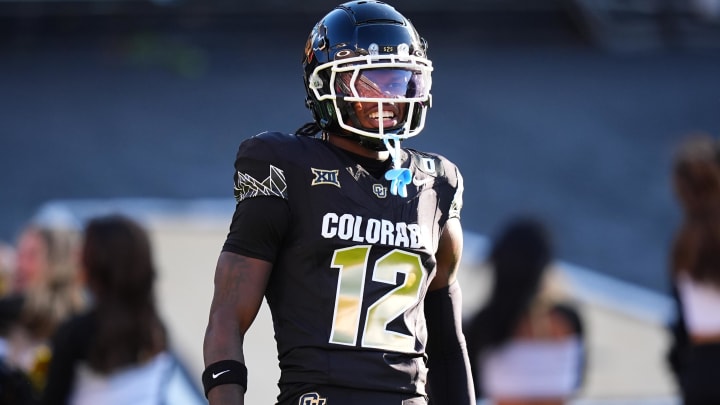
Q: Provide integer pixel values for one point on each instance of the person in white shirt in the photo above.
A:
(695, 270)
(525, 343)
(118, 352)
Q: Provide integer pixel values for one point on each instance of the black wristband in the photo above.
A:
(224, 372)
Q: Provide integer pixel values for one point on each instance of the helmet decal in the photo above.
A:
(308, 50)
(403, 50)
(344, 53)
(373, 49)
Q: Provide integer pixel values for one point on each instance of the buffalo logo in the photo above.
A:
(308, 50)
(380, 190)
(312, 398)
(310, 44)
(325, 177)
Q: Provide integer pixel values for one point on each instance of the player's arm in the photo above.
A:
(450, 380)
(241, 277)
(240, 282)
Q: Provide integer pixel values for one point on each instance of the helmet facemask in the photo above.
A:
(394, 88)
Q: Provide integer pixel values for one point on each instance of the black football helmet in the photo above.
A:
(367, 52)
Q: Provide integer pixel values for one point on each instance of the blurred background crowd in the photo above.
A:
(569, 111)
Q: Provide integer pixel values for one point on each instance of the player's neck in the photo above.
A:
(354, 147)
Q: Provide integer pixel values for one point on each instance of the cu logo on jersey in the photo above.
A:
(379, 190)
(312, 398)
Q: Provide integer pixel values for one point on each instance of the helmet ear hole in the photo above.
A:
(324, 114)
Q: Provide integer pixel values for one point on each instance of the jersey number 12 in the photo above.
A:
(353, 264)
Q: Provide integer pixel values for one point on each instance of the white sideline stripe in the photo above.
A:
(589, 285)
(620, 296)
(199, 211)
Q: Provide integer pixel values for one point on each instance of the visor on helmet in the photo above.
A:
(382, 84)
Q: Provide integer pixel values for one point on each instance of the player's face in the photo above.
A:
(380, 84)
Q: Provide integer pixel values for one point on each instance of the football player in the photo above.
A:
(353, 240)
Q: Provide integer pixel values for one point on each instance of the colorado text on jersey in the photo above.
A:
(372, 230)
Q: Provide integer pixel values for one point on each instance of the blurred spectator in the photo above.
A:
(118, 351)
(8, 313)
(46, 291)
(7, 267)
(526, 342)
(695, 271)
(15, 386)
(33, 249)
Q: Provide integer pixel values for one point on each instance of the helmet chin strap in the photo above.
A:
(399, 177)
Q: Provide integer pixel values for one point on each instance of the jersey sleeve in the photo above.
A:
(457, 201)
(258, 171)
(261, 214)
(448, 180)
(258, 227)
(452, 198)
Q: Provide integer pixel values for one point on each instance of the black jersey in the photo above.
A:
(347, 286)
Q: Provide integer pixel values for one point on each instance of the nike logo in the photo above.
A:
(419, 182)
(214, 376)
